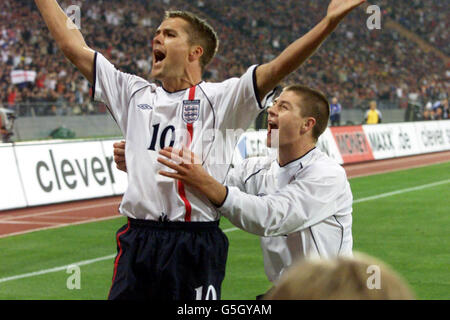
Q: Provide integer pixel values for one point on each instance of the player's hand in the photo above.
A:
(188, 169)
(119, 155)
(338, 9)
(186, 164)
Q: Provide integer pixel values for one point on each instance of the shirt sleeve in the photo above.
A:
(235, 177)
(295, 207)
(114, 88)
(238, 104)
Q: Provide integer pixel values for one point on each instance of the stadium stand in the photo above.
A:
(427, 19)
(355, 64)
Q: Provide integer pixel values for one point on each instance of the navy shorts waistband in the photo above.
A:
(179, 225)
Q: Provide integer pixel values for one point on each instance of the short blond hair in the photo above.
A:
(343, 278)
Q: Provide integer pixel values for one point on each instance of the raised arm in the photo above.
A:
(68, 38)
(269, 75)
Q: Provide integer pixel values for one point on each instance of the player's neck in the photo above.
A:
(292, 152)
(188, 80)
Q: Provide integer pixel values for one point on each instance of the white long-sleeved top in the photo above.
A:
(303, 209)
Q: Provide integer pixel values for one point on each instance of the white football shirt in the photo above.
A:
(151, 118)
(303, 209)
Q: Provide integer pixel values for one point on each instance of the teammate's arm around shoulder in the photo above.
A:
(270, 74)
(67, 37)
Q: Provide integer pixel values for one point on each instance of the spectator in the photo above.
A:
(53, 111)
(361, 277)
(335, 112)
(438, 114)
(12, 95)
(373, 115)
(445, 109)
(440, 110)
(427, 115)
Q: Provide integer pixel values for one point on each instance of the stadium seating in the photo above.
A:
(429, 19)
(355, 64)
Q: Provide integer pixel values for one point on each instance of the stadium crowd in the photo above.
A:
(428, 19)
(355, 64)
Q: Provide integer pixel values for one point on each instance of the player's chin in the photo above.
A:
(155, 73)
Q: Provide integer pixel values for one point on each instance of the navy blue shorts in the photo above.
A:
(169, 261)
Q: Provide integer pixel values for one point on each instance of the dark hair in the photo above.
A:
(314, 104)
(200, 32)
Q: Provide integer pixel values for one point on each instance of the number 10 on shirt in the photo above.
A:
(162, 138)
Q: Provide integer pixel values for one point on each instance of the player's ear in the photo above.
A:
(307, 125)
(196, 53)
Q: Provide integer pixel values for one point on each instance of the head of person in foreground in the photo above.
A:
(360, 277)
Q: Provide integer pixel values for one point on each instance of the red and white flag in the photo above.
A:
(20, 76)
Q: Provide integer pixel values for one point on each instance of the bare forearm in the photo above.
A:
(213, 190)
(190, 171)
(57, 23)
(68, 38)
(269, 75)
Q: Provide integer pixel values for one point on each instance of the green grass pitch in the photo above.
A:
(409, 231)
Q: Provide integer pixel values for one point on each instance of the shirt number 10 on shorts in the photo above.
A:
(211, 293)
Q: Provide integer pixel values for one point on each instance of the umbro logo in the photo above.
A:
(145, 107)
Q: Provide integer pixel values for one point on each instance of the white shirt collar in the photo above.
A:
(302, 161)
(285, 173)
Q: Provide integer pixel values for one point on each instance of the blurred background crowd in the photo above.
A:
(355, 65)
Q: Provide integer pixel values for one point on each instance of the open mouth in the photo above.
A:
(158, 56)
(271, 126)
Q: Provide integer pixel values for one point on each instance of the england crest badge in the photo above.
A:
(191, 110)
